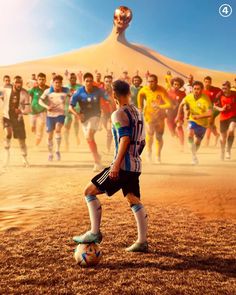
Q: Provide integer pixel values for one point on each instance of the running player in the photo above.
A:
(73, 87)
(188, 87)
(124, 172)
(211, 92)
(226, 104)
(89, 97)
(157, 102)
(125, 77)
(38, 113)
(54, 100)
(233, 88)
(176, 95)
(134, 89)
(107, 108)
(16, 103)
(7, 81)
(31, 82)
(168, 78)
(200, 109)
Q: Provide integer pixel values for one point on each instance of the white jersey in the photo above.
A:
(56, 100)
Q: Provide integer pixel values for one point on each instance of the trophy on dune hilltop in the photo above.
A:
(122, 17)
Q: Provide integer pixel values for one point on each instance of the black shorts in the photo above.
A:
(224, 125)
(17, 126)
(127, 181)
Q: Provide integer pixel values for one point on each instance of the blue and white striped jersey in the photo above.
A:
(128, 121)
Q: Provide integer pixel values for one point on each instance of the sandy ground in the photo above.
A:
(192, 230)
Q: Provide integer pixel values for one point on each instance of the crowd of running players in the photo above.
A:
(87, 100)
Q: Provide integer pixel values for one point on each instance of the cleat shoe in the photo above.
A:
(26, 163)
(98, 167)
(228, 155)
(58, 156)
(50, 157)
(88, 237)
(138, 247)
(195, 160)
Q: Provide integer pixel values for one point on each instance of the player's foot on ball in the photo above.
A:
(88, 237)
(138, 247)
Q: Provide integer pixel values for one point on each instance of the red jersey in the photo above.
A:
(212, 93)
(176, 96)
(230, 101)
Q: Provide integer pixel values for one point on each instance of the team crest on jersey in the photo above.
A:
(117, 125)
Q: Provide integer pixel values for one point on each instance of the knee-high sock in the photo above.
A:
(192, 146)
(159, 145)
(93, 148)
(66, 136)
(230, 141)
(23, 148)
(95, 213)
(149, 142)
(180, 133)
(141, 220)
(58, 141)
(50, 146)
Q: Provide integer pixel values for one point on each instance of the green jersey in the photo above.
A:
(35, 94)
(72, 89)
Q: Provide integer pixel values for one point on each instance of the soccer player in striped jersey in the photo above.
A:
(124, 172)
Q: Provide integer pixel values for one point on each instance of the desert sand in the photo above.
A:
(114, 54)
(192, 229)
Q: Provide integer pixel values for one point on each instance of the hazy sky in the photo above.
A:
(191, 31)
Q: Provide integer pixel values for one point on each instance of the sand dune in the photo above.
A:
(114, 54)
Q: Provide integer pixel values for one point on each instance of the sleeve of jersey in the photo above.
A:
(121, 123)
(45, 94)
(74, 99)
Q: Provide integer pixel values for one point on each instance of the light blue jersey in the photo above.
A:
(128, 121)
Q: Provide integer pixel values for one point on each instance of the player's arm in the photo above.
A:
(26, 105)
(140, 99)
(180, 111)
(74, 100)
(218, 105)
(121, 123)
(167, 102)
(42, 100)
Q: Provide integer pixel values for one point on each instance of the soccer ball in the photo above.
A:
(87, 254)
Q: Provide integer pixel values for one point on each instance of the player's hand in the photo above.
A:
(114, 173)
(195, 117)
(81, 117)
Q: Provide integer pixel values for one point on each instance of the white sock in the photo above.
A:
(58, 141)
(95, 213)
(141, 220)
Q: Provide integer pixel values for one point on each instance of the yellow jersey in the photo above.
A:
(155, 103)
(198, 107)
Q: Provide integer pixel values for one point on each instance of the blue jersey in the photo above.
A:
(89, 102)
(128, 121)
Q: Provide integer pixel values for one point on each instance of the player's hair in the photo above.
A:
(41, 75)
(17, 77)
(72, 75)
(6, 77)
(198, 83)
(121, 88)
(87, 75)
(108, 77)
(137, 77)
(227, 83)
(177, 79)
(58, 78)
(208, 78)
(153, 76)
